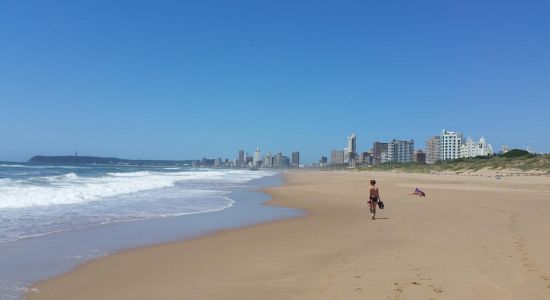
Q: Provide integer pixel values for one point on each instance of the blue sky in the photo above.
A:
(179, 80)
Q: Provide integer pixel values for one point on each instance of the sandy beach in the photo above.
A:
(472, 237)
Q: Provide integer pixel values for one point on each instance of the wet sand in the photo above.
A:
(470, 238)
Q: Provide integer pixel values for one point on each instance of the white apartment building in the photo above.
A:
(473, 149)
(450, 144)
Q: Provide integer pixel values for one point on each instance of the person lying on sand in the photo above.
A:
(418, 192)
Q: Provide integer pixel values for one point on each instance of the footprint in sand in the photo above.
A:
(530, 266)
(396, 292)
(400, 288)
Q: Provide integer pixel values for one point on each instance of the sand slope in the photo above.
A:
(471, 238)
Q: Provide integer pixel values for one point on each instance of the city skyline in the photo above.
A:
(462, 147)
(177, 80)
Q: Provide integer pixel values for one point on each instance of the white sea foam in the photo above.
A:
(40, 201)
(73, 189)
(13, 166)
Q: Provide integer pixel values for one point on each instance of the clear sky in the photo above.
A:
(182, 79)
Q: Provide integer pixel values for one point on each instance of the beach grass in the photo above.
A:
(518, 163)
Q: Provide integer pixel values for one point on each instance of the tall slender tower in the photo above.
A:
(351, 149)
(295, 159)
(240, 160)
(257, 158)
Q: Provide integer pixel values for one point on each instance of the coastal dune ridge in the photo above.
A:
(470, 238)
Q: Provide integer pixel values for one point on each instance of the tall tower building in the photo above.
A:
(351, 149)
(433, 150)
(257, 158)
(240, 159)
(295, 159)
(450, 144)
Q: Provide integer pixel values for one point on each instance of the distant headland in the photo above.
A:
(87, 160)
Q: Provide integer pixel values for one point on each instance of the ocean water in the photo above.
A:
(39, 200)
(53, 218)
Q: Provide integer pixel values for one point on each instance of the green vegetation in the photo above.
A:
(514, 159)
(517, 153)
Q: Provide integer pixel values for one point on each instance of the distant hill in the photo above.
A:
(86, 160)
(517, 153)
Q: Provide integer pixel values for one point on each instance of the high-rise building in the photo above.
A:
(380, 152)
(473, 149)
(400, 151)
(366, 158)
(240, 159)
(419, 157)
(281, 161)
(323, 160)
(346, 155)
(351, 152)
(450, 144)
(257, 158)
(285, 162)
(433, 150)
(295, 159)
(268, 160)
(249, 160)
(207, 163)
(337, 157)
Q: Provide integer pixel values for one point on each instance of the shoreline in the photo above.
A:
(332, 253)
(31, 290)
(27, 261)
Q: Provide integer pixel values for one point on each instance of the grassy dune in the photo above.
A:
(515, 161)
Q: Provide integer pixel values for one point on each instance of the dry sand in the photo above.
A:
(471, 238)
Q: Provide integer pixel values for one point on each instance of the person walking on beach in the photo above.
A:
(374, 197)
